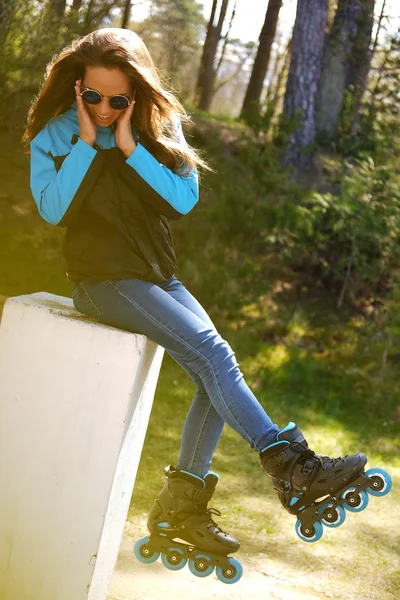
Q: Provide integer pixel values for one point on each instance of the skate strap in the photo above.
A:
(202, 495)
(282, 455)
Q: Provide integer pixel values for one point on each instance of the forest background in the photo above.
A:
(293, 248)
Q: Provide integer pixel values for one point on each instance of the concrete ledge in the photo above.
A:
(75, 400)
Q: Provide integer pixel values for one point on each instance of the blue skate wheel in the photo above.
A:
(357, 504)
(201, 565)
(231, 574)
(381, 482)
(333, 517)
(174, 559)
(142, 552)
(309, 534)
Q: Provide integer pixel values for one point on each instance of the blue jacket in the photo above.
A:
(115, 209)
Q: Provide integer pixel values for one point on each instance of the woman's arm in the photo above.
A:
(59, 194)
(176, 192)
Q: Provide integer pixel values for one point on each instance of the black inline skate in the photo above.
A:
(318, 488)
(180, 512)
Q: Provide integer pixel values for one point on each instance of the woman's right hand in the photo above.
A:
(87, 127)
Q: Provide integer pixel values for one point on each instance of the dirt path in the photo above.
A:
(261, 580)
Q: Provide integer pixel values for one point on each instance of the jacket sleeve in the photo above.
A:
(172, 195)
(59, 193)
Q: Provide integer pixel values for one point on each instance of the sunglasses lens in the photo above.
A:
(118, 102)
(91, 97)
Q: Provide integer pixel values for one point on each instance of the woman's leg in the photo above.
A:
(148, 308)
(201, 431)
(203, 425)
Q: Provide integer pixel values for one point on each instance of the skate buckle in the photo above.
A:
(308, 466)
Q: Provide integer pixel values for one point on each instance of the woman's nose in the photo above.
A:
(104, 105)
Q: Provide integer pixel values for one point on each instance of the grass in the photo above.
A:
(332, 372)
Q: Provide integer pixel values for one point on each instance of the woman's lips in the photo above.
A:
(103, 120)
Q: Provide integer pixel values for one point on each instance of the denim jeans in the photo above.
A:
(169, 315)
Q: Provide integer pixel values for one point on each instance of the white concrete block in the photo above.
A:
(75, 400)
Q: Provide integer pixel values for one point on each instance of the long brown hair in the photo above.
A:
(155, 106)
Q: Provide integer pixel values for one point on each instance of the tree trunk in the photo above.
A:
(361, 59)
(58, 7)
(346, 41)
(337, 54)
(224, 46)
(126, 14)
(204, 87)
(276, 68)
(7, 10)
(251, 104)
(303, 80)
(280, 79)
(76, 5)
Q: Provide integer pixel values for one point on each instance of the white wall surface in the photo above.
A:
(75, 399)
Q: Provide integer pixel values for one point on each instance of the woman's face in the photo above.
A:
(108, 82)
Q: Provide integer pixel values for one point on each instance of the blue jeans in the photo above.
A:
(169, 315)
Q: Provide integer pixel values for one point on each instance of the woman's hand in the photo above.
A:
(123, 133)
(87, 127)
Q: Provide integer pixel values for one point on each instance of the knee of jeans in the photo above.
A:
(201, 392)
(215, 346)
(224, 355)
(213, 352)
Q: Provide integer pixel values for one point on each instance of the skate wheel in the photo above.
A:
(332, 517)
(201, 565)
(381, 482)
(142, 552)
(310, 533)
(174, 559)
(231, 574)
(357, 504)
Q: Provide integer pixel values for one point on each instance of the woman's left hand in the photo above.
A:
(123, 133)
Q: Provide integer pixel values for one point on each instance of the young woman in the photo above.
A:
(109, 162)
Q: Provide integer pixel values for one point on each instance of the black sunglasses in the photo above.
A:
(117, 102)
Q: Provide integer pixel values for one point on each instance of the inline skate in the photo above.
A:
(318, 488)
(180, 512)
